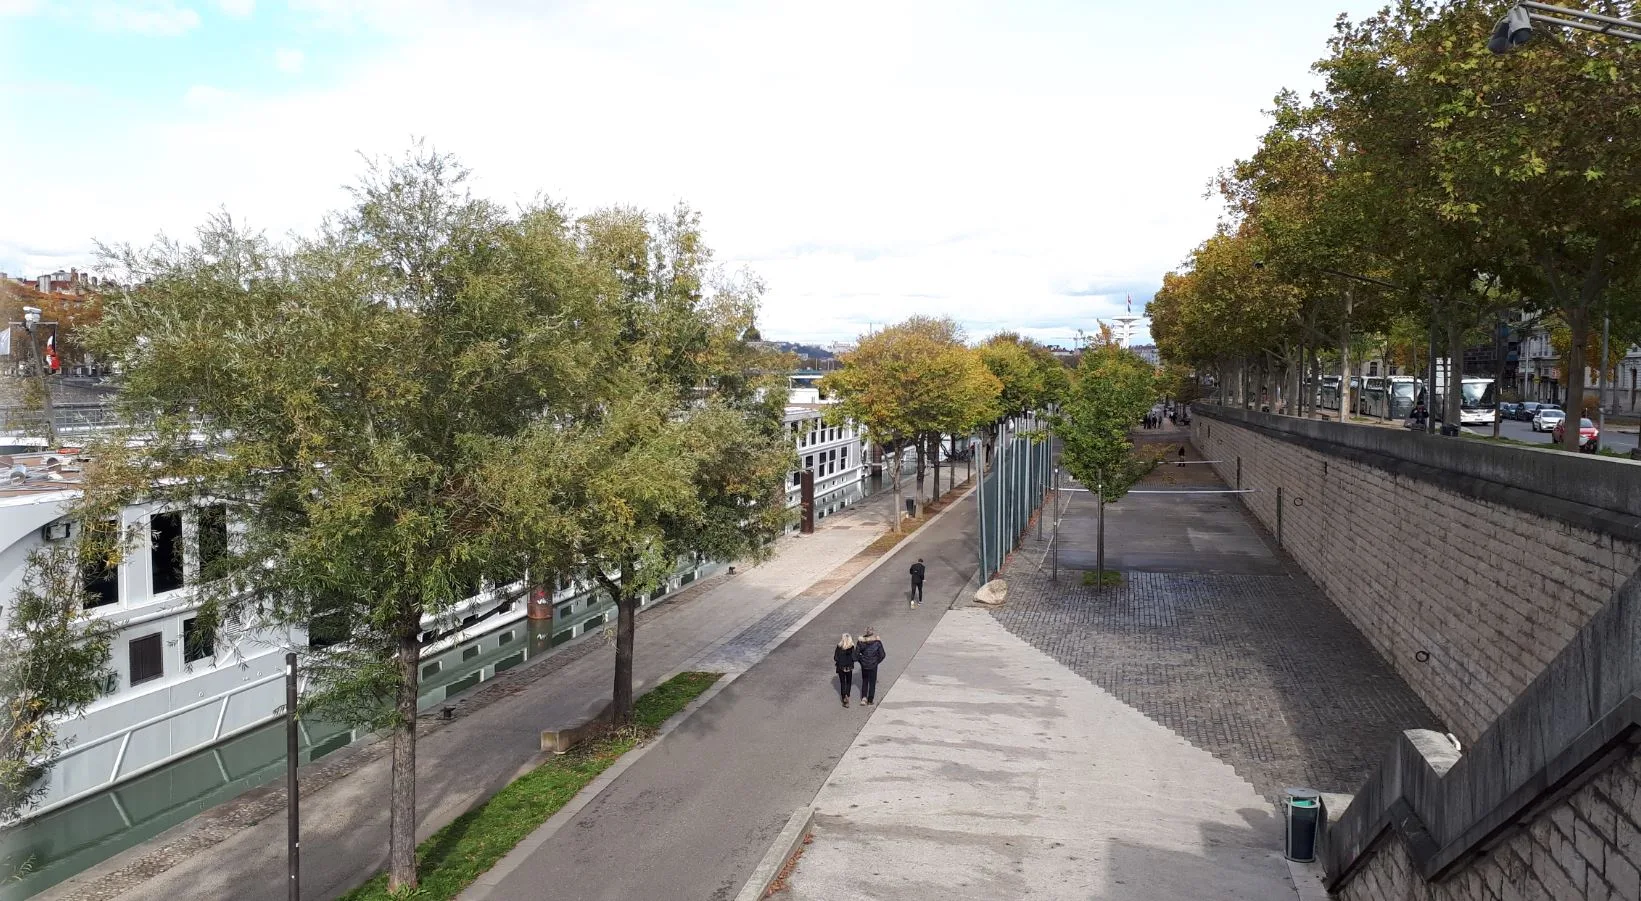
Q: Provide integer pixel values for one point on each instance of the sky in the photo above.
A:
(1021, 165)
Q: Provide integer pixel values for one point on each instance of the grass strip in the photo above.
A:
(453, 857)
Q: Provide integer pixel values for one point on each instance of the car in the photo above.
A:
(1547, 418)
(1588, 435)
(1507, 410)
(1524, 412)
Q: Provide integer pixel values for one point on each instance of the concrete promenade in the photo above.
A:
(991, 771)
(1127, 743)
(238, 850)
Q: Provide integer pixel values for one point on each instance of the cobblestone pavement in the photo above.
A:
(1244, 657)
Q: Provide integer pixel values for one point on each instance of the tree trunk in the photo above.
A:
(1455, 375)
(1344, 362)
(626, 630)
(1578, 323)
(934, 455)
(1501, 344)
(918, 443)
(402, 806)
(894, 484)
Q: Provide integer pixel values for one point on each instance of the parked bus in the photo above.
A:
(1478, 400)
(1388, 398)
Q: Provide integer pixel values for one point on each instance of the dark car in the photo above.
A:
(1507, 410)
(1524, 413)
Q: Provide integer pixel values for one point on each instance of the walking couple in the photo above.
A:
(868, 652)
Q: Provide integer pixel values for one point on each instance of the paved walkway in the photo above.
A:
(991, 771)
(691, 818)
(1128, 743)
(238, 851)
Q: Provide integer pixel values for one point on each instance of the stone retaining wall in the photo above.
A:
(1469, 566)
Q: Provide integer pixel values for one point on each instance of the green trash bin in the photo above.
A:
(1303, 811)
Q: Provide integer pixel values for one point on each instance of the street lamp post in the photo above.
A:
(31, 323)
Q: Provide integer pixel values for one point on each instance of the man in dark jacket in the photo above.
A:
(917, 581)
(869, 651)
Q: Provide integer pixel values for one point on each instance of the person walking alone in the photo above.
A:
(918, 570)
(870, 653)
(843, 657)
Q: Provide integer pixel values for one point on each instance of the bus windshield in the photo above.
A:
(1403, 389)
(1478, 394)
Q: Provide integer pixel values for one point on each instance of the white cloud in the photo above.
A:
(237, 8)
(288, 60)
(868, 160)
(162, 18)
(18, 7)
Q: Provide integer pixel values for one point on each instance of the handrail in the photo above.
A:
(1581, 715)
(124, 735)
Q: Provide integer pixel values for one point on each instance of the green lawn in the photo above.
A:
(462, 851)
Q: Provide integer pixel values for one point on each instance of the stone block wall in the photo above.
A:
(1585, 846)
(1468, 584)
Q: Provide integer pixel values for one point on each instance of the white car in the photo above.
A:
(1546, 419)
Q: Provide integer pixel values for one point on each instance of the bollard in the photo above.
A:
(911, 508)
(1239, 473)
(1303, 810)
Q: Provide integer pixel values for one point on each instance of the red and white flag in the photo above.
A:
(51, 353)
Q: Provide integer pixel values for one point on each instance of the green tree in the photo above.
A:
(1112, 390)
(685, 456)
(52, 660)
(341, 397)
(908, 380)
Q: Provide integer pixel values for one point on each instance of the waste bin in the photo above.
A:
(1303, 809)
(911, 507)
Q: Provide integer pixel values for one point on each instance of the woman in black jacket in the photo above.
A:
(870, 653)
(843, 656)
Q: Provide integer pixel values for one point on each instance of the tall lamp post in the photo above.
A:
(31, 323)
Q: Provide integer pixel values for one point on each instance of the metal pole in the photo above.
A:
(1054, 541)
(1239, 473)
(1430, 384)
(45, 390)
(1279, 516)
(1601, 383)
(293, 841)
(1099, 536)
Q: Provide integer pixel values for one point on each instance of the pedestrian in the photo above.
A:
(918, 570)
(870, 653)
(843, 657)
(1182, 455)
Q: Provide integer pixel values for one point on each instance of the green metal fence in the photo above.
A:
(1021, 474)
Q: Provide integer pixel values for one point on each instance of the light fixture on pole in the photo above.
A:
(1516, 28)
(31, 324)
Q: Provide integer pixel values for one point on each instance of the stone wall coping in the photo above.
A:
(1582, 714)
(1599, 494)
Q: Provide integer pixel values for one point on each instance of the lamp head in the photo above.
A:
(31, 316)
(1512, 31)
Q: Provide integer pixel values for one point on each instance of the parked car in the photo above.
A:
(1547, 418)
(1507, 410)
(1588, 435)
(1524, 412)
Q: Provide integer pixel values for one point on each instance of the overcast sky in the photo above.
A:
(1018, 165)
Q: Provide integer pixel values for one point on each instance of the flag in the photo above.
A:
(51, 352)
(1130, 303)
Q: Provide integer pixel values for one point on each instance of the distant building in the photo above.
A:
(1147, 352)
(71, 281)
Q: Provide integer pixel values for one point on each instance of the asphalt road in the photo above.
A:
(1523, 431)
(693, 817)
